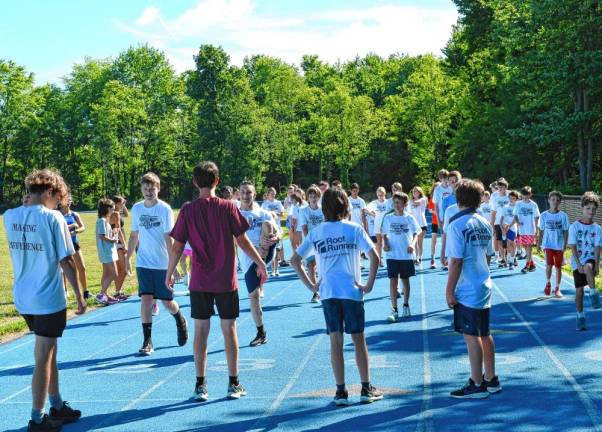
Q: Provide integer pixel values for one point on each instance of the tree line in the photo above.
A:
(517, 92)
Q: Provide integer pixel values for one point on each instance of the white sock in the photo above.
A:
(580, 314)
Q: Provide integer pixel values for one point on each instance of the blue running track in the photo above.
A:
(550, 373)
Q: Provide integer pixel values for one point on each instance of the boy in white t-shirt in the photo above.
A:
(400, 233)
(553, 237)
(442, 191)
(152, 221)
(585, 241)
(376, 211)
(311, 217)
(40, 247)
(337, 244)
(526, 216)
(417, 207)
(508, 227)
(499, 199)
(357, 206)
(469, 287)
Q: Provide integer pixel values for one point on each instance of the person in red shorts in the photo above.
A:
(553, 236)
(526, 216)
(210, 225)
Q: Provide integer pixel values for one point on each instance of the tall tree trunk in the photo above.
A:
(588, 142)
(578, 101)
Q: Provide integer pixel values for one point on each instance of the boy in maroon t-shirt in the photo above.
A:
(210, 225)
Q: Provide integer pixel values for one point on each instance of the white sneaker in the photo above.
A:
(155, 311)
(406, 312)
(394, 317)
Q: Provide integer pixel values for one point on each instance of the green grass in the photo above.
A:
(10, 321)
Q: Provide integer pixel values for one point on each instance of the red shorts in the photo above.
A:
(554, 257)
(526, 240)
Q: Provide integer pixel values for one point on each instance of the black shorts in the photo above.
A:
(76, 246)
(580, 279)
(434, 229)
(201, 305)
(400, 268)
(498, 232)
(50, 325)
(423, 228)
(251, 278)
(373, 238)
(474, 322)
(343, 315)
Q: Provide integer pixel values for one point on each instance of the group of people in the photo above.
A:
(330, 232)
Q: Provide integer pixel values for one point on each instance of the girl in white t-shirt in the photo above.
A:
(106, 244)
(418, 210)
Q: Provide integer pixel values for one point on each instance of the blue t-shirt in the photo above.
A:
(337, 247)
(447, 201)
(469, 238)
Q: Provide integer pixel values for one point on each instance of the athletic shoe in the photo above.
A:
(532, 267)
(502, 264)
(121, 297)
(558, 293)
(277, 273)
(398, 294)
(394, 317)
(595, 299)
(515, 262)
(260, 339)
(47, 425)
(273, 274)
(548, 289)
(433, 266)
(86, 294)
(341, 398)
(200, 393)
(445, 268)
(406, 312)
(581, 323)
(525, 269)
(66, 414)
(315, 298)
(106, 300)
(156, 310)
(511, 266)
(147, 348)
(370, 394)
(182, 327)
(471, 391)
(283, 263)
(236, 391)
(492, 386)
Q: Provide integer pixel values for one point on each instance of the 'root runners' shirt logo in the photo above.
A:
(148, 222)
(333, 244)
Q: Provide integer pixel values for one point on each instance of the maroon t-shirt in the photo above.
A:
(209, 225)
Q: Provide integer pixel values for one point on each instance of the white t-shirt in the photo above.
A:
(356, 205)
(38, 239)
(400, 231)
(553, 225)
(107, 251)
(507, 215)
(469, 238)
(310, 218)
(450, 212)
(526, 213)
(152, 224)
(438, 195)
(256, 218)
(485, 210)
(587, 238)
(237, 203)
(418, 209)
(380, 208)
(273, 206)
(337, 247)
(296, 209)
(497, 205)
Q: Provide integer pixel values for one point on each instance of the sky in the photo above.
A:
(48, 37)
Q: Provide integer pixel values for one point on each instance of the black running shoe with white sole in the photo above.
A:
(493, 385)
(370, 394)
(200, 393)
(260, 339)
(235, 391)
(341, 398)
(47, 425)
(471, 391)
(147, 348)
(66, 414)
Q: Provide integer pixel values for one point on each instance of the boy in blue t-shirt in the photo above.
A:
(337, 244)
(469, 286)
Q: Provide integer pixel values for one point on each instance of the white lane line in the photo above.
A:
(589, 405)
(27, 342)
(566, 279)
(426, 419)
(176, 371)
(23, 390)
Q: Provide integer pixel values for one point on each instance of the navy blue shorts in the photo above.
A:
(152, 282)
(400, 269)
(474, 322)
(343, 315)
(374, 239)
(251, 279)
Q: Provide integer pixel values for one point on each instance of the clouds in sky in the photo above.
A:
(333, 34)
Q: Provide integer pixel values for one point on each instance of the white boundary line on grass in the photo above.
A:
(589, 405)
(425, 423)
(176, 371)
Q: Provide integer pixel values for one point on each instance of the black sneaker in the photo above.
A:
(471, 391)
(48, 425)
(182, 332)
(260, 339)
(147, 348)
(315, 298)
(370, 394)
(66, 414)
(236, 391)
(201, 393)
(492, 386)
(341, 398)
(283, 263)
(86, 294)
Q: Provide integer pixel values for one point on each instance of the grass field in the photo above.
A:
(10, 321)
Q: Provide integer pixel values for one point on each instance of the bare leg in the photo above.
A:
(579, 298)
(109, 272)
(475, 355)
(393, 292)
(433, 245)
(488, 356)
(548, 273)
(120, 271)
(419, 245)
(171, 305)
(406, 291)
(256, 311)
(336, 357)
(361, 356)
(43, 355)
(231, 345)
(81, 270)
(146, 307)
(201, 333)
